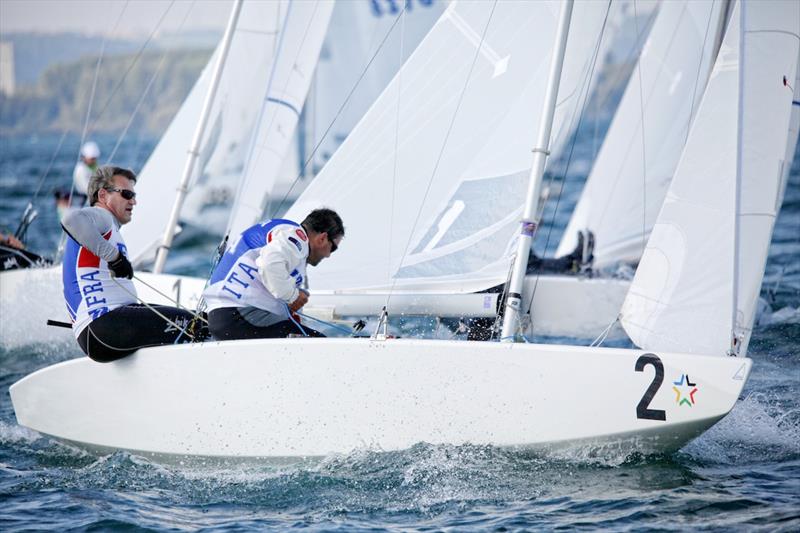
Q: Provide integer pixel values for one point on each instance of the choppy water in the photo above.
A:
(742, 474)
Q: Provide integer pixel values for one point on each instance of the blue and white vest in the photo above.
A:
(236, 281)
(89, 290)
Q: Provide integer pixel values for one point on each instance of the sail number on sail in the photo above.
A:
(393, 7)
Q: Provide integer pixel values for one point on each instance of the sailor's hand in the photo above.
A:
(121, 267)
(301, 300)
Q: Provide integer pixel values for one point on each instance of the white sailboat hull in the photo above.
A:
(574, 306)
(566, 306)
(30, 297)
(306, 397)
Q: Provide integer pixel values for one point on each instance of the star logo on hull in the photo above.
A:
(685, 394)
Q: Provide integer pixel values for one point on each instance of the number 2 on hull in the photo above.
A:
(642, 408)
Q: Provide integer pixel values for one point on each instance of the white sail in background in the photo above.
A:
(298, 50)
(630, 177)
(365, 47)
(225, 145)
(430, 184)
(696, 287)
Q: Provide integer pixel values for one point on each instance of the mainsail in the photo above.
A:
(625, 190)
(430, 184)
(696, 287)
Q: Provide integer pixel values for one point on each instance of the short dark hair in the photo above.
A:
(324, 221)
(103, 178)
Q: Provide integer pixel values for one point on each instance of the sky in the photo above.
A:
(121, 18)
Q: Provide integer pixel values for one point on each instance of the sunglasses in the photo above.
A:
(125, 193)
(334, 246)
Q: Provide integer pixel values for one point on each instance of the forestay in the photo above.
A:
(430, 184)
(630, 177)
(697, 284)
(225, 144)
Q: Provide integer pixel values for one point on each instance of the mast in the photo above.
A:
(540, 153)
(736, 335)
(194, 149)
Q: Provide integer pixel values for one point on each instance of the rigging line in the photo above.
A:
(64, 134)
(644, 149)
(97, 74)
(170, 299)
(63, 241)
(295, 322)
(130, 67)
(49, 166)
(136, 109)
(146, 91)
(697, 75)
(444, 145)
(94, 88)
(329, 324)
(579, 115)
(396, 150)
(622, 73)
(673, 41)
(604, 334)
(634, 49)
(151, 308)
(339, 112)
(89, 112)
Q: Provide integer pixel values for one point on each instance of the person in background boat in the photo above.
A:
(258, 286)
(577, 262)
(76, 195)
(13, 254)
(84, 170)
(107, 319)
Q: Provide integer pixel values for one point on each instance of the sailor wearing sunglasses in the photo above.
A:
(107, 319)
(259, 283)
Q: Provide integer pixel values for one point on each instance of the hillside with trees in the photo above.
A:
(60, 99)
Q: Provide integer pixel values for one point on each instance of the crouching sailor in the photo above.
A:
(106, 318)
(258, 285)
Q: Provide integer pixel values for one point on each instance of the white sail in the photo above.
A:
(430, 184)
(629, 179)
(365, 47)
(298, 50)
(224, 147)
(696, 286)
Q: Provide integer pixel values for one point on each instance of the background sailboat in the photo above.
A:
(721, 205)
(629, 179)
